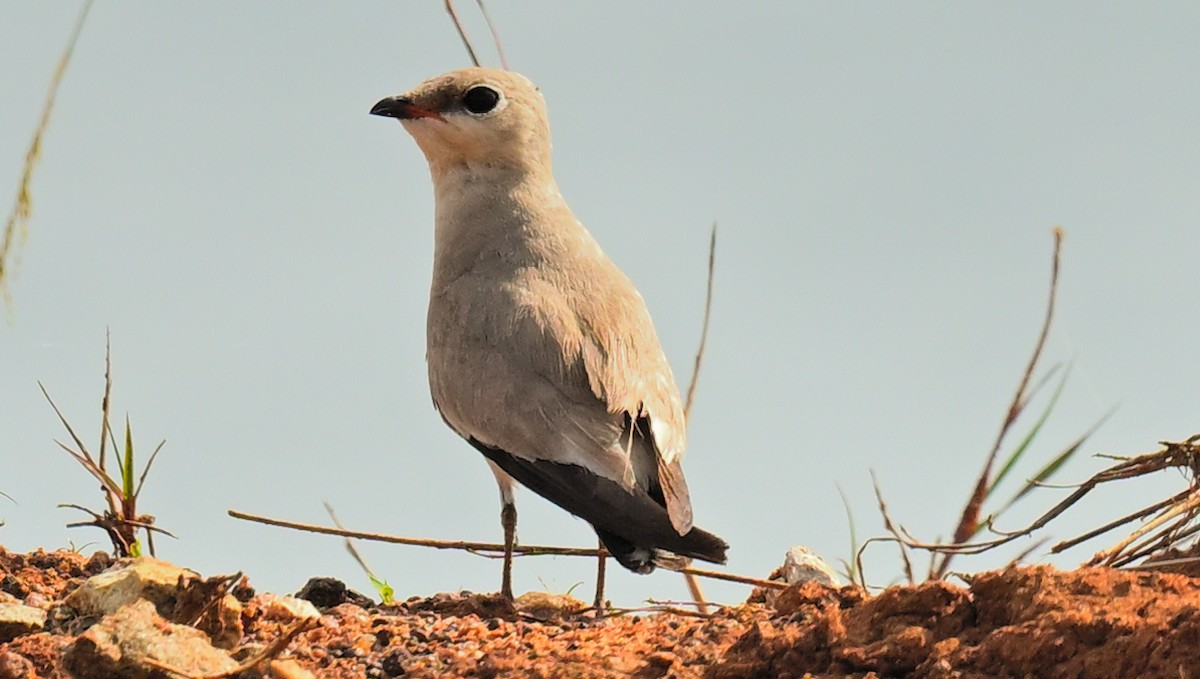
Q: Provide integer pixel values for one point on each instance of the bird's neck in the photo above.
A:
(488, 213)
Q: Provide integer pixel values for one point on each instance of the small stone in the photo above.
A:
(132, 579)
(658, 664)
(285, 607)
(393, 663)
(288, 669)
(801, 564)
(329, 592)
(547, 606)
(16, 666)
(121, 645)
(37, 600)
(18, 619)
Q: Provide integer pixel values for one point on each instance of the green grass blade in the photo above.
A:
(1054, 465)
(1023, 447)
(387, 595)
(127, 467)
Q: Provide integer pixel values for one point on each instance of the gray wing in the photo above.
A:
(549, 369)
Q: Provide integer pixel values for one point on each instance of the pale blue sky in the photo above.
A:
(885, 176)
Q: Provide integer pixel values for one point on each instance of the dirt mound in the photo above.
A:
(1020, 622)
(47, 575)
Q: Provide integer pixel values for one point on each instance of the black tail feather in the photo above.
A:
(632, 524)
(697, 544)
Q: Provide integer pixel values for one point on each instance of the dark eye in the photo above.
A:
(481, 99)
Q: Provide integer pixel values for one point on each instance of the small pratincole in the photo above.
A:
(541, 352)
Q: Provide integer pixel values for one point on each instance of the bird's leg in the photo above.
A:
(598, 604)
(508, 519)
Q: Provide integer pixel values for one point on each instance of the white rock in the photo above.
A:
(801, 564)
(285, 607)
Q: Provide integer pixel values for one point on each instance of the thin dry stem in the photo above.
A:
(62, 418)
(85, 460)
(1117, 523)
(708, 293)
(486, 549)
(487, 17)
(1159, 542)
(693, 584)
(218, 593)
(656, 607)
(1187, 508)
(969, 520)
(1165, 563)
(105, 429)
(146, 470)
(694, 588)
(362, 563)
(698, 600)
(17, 227)
(462, 32)
(891, 528)
(858, 556)
(730, 577)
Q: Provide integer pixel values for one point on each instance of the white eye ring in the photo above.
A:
(482, 100)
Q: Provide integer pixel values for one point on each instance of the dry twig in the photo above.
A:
(708, 293)
(485, 549)
(659, 607)
(693, 584)
(730, 577)
(891, 528)
(489, 550)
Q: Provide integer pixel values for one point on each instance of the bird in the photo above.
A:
(541, 353)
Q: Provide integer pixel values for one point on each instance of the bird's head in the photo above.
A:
(475, 118)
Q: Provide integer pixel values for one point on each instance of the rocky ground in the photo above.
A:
(63, 614)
